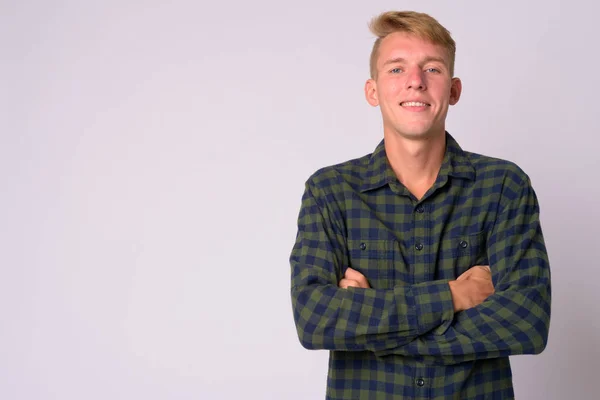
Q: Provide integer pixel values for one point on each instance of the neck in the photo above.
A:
(416, 163)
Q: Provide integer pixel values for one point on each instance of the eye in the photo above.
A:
(434, 70)
(396, 70)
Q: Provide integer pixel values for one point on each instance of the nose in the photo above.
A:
(416, 80)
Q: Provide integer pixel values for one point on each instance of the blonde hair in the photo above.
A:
(421, 25)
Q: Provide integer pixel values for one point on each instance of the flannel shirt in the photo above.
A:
(401, 338)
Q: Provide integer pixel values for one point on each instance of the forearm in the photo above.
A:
(508, 323)
(328, 317)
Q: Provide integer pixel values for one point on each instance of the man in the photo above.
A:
(421, 267)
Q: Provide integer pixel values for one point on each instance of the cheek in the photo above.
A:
(388, 88)
(389, 95)
(394, 87)
(443, 97)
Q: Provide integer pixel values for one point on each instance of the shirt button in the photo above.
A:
(420, 382)
(363, 246)
(420, 209)
(419, 246)
(463, 244)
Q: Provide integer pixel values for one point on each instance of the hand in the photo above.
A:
(353, 278)
(472, 287)
(476, 272)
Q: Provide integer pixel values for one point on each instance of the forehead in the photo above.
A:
(409, 47)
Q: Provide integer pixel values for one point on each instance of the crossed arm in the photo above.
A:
(482, 314)
(468, 290)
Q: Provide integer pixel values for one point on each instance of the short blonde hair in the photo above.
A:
(421, 25)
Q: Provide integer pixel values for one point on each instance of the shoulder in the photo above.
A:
(504, 178)
(336, 177)
(497, 170)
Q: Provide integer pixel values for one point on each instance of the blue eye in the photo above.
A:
(396, 70)
(435, 70)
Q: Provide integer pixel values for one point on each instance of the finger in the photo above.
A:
(358, 277)
(346, 283)
(476, 271)
(352, 274)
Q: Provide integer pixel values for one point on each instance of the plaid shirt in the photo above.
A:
(401, 338)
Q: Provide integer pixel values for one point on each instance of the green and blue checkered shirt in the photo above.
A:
(401, 339)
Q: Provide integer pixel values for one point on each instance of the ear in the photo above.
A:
(371, 93)
(455, 91)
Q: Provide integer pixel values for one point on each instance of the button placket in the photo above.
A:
(420, 240)
(420, 209)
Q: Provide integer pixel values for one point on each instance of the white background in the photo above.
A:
(152, 159)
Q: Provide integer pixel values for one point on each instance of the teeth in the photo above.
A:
(413, 104)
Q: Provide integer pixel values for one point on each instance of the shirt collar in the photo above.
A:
(379, 173)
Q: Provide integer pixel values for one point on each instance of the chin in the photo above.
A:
(415, 134)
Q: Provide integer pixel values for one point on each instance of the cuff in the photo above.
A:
(433, 306)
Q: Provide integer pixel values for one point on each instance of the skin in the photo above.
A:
(411, 69)
(472, 287)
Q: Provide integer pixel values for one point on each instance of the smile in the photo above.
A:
(413, 104)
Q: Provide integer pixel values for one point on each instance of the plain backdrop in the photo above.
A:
(152, 159)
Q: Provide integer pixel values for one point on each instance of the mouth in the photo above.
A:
(414, 104)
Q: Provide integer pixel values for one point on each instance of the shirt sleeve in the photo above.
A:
(516, 318)
(358, 319)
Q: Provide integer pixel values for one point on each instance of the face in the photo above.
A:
(413, 87)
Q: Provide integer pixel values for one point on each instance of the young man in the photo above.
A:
(421, 266)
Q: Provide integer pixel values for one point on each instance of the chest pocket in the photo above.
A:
(458, 253)
(375, 259)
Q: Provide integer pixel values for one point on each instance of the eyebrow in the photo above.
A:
(425, 61)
